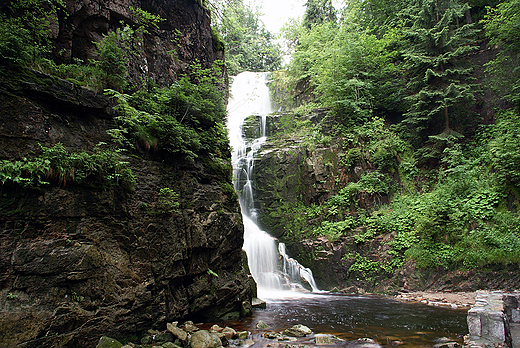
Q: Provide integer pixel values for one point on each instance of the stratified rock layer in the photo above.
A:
(81, 262)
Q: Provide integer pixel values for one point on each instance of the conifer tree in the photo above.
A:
(318, 12)
(437, 43)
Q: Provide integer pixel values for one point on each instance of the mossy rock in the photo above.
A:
(107, 342)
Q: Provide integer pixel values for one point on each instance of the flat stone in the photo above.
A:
(190, 327)
(177, 332)
(297, 331)
(321, 339)
(216, 328)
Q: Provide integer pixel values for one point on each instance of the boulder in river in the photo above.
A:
(258, 303)
(322, 339)
(262, 325)
(229, 332)
(297, 331)
(205, 339)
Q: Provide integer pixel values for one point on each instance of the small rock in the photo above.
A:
(272, 335)
(242, 335)
(190, 327)
(164, 337)
(297, 331)
(258, 303)
(246, 310)
(321, 339)
(229, 332)
(177, 331)
(216, 328)
(262, 325)
(223, 338)
(288, 338)
(205, 339)
(107, 342)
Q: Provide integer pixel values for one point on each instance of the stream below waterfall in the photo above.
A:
(285, 284)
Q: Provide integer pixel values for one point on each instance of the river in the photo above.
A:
(282, 280)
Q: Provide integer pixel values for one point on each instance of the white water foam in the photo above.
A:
(276, 274)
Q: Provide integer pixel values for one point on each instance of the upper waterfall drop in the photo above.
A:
(271, 267)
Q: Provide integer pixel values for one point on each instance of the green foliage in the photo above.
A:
(183, 119)
(436, 48)
(249, 46)
(501, 27)
(334, 230)
(25, 41)
(103, 168)
(168, 201)
(15, 48)
(212, 273)
(113, 58)
(344, 66)
(317, 12)
(25, 30)
(505, 148)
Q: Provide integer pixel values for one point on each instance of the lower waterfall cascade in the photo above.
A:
(271, 267)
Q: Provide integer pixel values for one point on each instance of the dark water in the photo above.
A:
(385, 320)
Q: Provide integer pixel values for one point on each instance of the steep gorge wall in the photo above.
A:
(291, 172)
(79, 262)
(184, 37)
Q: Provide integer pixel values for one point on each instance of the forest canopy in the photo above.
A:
(423, 100)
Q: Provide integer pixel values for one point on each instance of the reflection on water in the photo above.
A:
(385, 320)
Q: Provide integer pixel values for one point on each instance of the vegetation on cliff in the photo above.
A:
(423, 113)
(119, 207)
(182, 120)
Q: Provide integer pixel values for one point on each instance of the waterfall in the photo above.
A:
(271, 267)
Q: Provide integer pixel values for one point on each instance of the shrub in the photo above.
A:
(103, 168)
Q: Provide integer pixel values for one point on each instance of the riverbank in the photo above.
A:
(463, 300)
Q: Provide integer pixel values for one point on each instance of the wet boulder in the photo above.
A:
(205, 339)
(262, 325)
(229, 332)
(322, 339)
(298, 331)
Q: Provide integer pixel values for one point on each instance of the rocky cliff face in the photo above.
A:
(79, 262)
(294, 171)
(181, 39)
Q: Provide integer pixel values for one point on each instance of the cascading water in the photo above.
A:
(271, 267)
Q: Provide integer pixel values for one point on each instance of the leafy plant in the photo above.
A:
(103, 167)
(168, 201)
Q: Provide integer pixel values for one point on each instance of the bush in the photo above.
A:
(184, 119)
(15, 43)
(103, 168)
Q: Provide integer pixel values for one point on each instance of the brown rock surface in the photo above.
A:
(80, 262)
